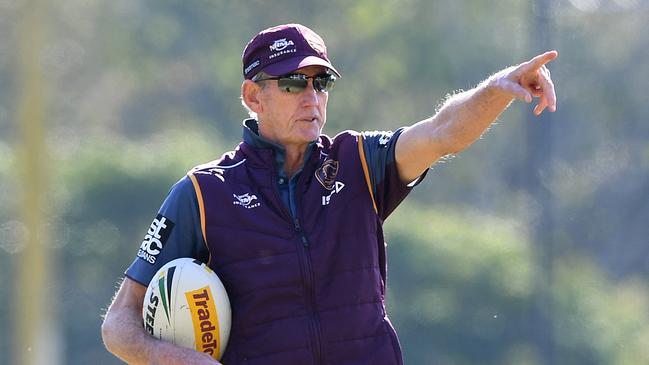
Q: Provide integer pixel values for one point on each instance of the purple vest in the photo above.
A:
(308, 290)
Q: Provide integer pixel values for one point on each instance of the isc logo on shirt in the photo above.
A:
(155, 238)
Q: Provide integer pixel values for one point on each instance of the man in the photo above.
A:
(291, 220)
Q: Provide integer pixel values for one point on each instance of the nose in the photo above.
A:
(310, 95)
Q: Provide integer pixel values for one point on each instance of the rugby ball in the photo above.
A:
(186, 304)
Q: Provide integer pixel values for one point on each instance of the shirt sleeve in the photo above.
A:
(387, 189)
(175, 232)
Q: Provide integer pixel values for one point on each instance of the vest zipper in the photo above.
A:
(308, 282)
(298, 229)
(307, 278)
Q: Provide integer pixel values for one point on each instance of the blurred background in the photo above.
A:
(529, 248)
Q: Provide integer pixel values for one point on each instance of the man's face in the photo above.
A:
(293, 119)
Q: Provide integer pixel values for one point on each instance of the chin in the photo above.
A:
(314, 136)
(311, 134)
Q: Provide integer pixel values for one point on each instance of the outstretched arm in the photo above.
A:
(465, 116)
(125, 337)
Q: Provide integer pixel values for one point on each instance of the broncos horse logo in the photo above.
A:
(326, 174)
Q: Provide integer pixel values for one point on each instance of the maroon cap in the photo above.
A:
(283, 49)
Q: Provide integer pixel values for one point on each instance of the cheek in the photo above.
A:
(279, 109)
(323, 104)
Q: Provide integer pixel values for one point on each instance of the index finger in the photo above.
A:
(538, 61)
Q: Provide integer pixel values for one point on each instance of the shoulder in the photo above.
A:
(382, 136)
(220, 167)
(227, 160)
(182, 186)
(360, 142)
(181, 196)
(365, 139)
(353, 135)
(346, 135)
(345, 138)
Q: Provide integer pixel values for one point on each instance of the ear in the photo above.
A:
(250, 94)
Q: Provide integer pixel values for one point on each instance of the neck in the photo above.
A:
(294, 153)
(294, 159)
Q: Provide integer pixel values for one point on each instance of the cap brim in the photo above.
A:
(287, 66)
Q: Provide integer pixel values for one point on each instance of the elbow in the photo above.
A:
(107, 333)
(116, 342)
(110, 333)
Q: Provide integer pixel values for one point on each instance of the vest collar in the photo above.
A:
(252, 138)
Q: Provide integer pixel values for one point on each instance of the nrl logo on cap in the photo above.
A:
(281, 44)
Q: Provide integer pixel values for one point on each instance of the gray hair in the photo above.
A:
(258, 78)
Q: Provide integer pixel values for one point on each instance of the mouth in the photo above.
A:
(309, 120)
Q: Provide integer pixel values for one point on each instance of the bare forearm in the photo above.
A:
(461, 120)
(125, 337)
(465, 117)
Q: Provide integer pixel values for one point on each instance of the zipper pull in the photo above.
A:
(298, 229)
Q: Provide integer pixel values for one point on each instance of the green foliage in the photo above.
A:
(601, 321)
(462, 282)
(141, 91)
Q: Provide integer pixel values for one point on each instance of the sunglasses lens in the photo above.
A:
(292, 84)
(323, 83)
(297, 83)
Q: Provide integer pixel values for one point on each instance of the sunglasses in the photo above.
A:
(296, 83)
